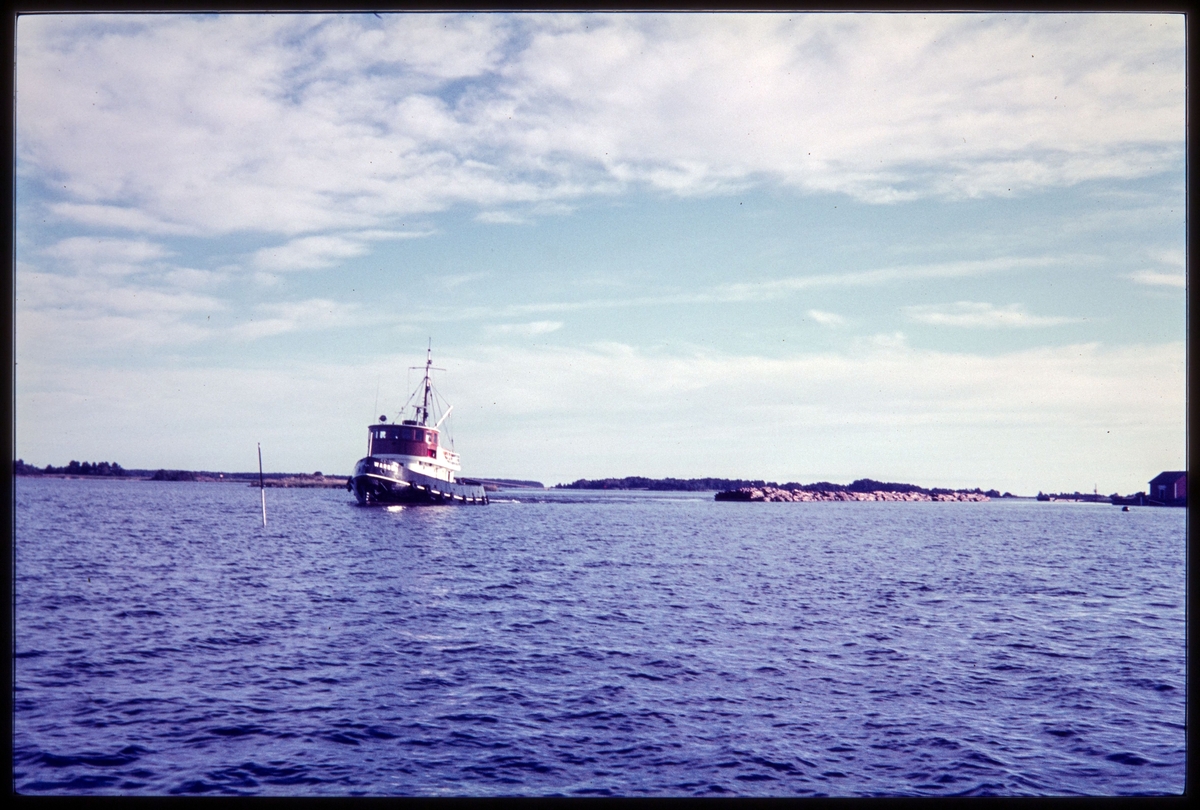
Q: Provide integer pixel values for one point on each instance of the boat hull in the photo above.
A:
(378, 482)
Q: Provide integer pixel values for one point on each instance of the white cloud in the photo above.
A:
(389, 235)
(1158, 279)
(308, 253)
(116, 217)
(874, 105)
(1173, 258)
(103, 293)
(105, 254)
(526, 329)
(826, 318)
(1174, 276)
(61, 315)
(74, 314)
(774, 288)
(94, 294)
(305, 124)
(769, 289)
(311, 252)
(428, 47)
(975, 314)
(883, 380)
(192, 278)
(501, 218)
(1021, 420)
(293, 316)
(454, 280)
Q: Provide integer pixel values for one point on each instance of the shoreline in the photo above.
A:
(269, 479)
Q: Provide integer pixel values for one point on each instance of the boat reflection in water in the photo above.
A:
(406, 462)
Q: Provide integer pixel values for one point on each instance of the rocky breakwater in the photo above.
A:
(302, 481)
(775, 494)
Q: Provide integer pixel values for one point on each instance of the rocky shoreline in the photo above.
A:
(774, 494)
(305, 482)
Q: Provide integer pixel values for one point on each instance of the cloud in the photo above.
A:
(306, 124)
(766, 290)
(826, 318)
(886, 379)
(501, 218)
(1174, 276)
(312, 252)
(105, 254)
(308, 253)
(77, 314)
(1022, 420)
(774, 288)
(1158, 279)
(526, 329)
(454, 280)
(115, 217)
(281, 318)
(73, 314)
(1173, 258)
(878, 106)
(87, 294)
(192, 278)
(973, 314)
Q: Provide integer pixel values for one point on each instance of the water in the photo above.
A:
(576, 643)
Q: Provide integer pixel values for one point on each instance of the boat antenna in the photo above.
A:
(427, 385)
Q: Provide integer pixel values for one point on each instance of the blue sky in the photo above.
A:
(943, 249)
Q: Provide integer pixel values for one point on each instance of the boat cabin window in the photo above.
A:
(402, 434)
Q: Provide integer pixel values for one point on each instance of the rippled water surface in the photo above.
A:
(591, 644)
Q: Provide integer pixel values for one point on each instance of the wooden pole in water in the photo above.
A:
(261, 491)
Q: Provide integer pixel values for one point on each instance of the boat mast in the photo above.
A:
(423, 409)
(428, 366)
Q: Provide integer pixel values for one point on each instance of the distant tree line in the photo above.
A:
(517, 482)
(72, 468)
(106, 468)
(724, 484)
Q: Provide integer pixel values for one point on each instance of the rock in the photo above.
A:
(777, 495)
(734, 495)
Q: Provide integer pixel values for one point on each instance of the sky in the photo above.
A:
(942, 249)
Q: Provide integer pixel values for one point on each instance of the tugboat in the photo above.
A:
(406, 463)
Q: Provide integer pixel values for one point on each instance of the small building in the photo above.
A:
(1169, 488)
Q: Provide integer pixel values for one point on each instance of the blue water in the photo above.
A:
(575, 643)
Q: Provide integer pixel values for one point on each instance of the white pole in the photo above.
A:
(443, 419)
(261, 491)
